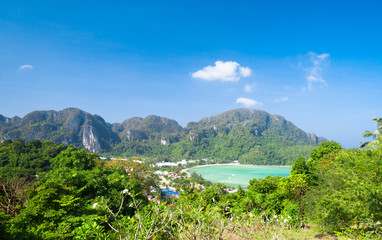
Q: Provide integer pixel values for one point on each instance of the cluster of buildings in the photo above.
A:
(169, 174)
(167, 191)
(171, 164)
(181, 163)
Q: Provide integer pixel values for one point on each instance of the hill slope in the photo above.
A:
(247, 135)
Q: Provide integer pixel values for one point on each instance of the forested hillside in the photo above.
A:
(248, 135)
(20, 159)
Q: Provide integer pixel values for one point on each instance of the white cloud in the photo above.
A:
(323, 56)
(223, 71)
(249, 87)
(247, 102)
(282, 99)
(26, 66)
(314, 73)
(245, 71)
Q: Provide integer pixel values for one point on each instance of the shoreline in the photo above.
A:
(234, 164)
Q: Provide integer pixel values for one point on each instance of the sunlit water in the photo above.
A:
(235, 175)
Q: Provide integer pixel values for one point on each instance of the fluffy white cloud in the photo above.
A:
(282, 99)
(26, 66)
(249, 87)
(245, 71)
(314, 73)
(247, 102)
(223, 71)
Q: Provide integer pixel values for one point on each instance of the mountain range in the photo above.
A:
(247, 135)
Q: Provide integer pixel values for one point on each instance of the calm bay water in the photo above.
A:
(235, 175)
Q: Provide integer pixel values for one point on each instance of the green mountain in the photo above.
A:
(258, 123)
(247, 135)
(145, 128)
(70, 126)
(251, 136)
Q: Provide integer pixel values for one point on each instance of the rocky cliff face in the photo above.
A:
(90, 140)
(69, 126)
(315, 138)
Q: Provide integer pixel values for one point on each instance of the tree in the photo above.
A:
(20, 159)
(135, 170)
(13, 195)
(265, 185)
(325, 148)
(377, 135)
(299, 167)
(74, 158)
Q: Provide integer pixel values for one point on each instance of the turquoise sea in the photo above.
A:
(235, 175)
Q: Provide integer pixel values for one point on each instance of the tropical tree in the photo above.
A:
(377, 135)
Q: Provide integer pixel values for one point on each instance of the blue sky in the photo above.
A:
(317, 63)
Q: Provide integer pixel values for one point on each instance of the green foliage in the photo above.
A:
(300, 167)
(77, 159)
(346, 195)
(349, 189)
(292, 212)
(20, 159)
(266, 194)
(323, 149)
(266, 185)
(196, 178)
(295, 186)
(276, 195)
(61, 200)
(213, 194)
(4, 219)
(91, 230)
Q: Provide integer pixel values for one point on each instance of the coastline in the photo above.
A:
(233, 164)
(235, 174)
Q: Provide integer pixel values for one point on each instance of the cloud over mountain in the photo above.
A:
(247, 102)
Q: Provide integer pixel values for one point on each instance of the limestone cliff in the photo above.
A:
(70, 126)
(89, 139)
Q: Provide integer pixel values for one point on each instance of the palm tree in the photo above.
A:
(377, 135)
